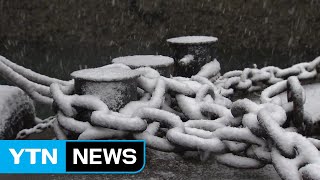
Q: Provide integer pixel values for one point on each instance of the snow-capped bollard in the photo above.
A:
(191, 53)
(115, 86)
(16, 111)
(163, 64)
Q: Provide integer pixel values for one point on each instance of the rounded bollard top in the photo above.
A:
(144, 60)
(192, 40)
(105, 73)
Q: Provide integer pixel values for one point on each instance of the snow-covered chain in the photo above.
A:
(40, 127)
(195, 114)
(253, 79)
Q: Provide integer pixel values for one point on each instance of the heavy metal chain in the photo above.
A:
(194, 114)
(41, 126)
(247, 135)
(253, 79)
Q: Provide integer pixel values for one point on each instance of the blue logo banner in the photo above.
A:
(72, 157)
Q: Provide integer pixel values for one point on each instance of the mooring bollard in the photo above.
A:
(115, 86)
(16, 111)
(191, 53)
(163, 64)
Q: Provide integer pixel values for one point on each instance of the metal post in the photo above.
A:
(114, 86)
(191, 53)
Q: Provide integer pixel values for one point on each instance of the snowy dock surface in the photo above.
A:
(312, 103)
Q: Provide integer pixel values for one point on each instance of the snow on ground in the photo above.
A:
(144, 60)
(312, 103)
(192, 40)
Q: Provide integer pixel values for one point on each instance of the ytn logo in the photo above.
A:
(32, 152)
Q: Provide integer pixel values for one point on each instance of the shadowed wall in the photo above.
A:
(58, 37)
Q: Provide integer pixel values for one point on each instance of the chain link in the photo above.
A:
(256, 79)
(39, 128)
(195, 114)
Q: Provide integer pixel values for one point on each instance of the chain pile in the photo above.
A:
(253, 79)
(195, 114)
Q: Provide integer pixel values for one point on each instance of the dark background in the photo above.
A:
(58, 37)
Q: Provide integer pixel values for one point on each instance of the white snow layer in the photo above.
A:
(192, 40)
(144, 60)
(187, 59)
(312, 103)
(210, 69)
(106, 73)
